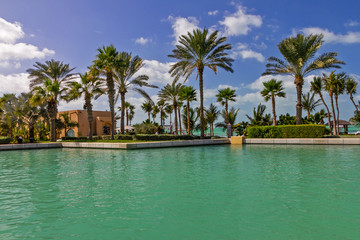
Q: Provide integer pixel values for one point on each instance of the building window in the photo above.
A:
(70, 133)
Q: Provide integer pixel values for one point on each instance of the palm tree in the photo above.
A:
(299, 53)
(125, 80)
(90, 87)
(224, 96)
(126, 106)
(193, 117)
(170, 93)
(67, 123)
(47, 82)
(317, 86)
(188, 94)
(147, 106)
(339, 89)
(162, 109)
(106, 62)
(350, 86)
(196, 51)
(179, 105)
(259, 116)
(169, 110)
(232, 114)
(211, 115)
(154, 112)
(309, 103)
(319, 116)
(131, 113)
(272, 89)
(330, 87)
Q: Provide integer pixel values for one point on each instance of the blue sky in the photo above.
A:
(71, 31)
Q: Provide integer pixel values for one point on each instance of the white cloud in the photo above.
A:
(158, 72)
(14, 83)
(11, 52)
(242, 51)
(10, 32)
(143, 41)
(181, 26)
(352, 23)
(213, 13)
(331, 37)
(240, 23)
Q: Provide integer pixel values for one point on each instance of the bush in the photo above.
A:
(145, 128)
(287, 131)
(162, 137)
(73, 138)
(5, 140)
(124, 137)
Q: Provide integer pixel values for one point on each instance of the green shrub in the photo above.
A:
(5, 140)
(123, 137)
(73, 138)
(287, 131)
(162, 137)
(145, 128)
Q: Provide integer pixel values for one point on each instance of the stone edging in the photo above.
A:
(138, 145)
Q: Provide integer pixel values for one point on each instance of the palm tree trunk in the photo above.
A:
(352, 99)
(308, 114)
(170, 124)
(90, 115)
(333, 112)
(122, 117)
(180, 121)
(31, 128)
(52, 111)
(201, 85)
(327, 109)
(338, 114)
(111, 95)
(176, 123)
(127, 117)
(149, 116)
(273, 110)
(298, 104)
(188, 116)
(161, 119)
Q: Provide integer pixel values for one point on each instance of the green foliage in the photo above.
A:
(145, 128)
(162, 137)
(240, 128)
(287, 131)
(73, 138)
(5, 140)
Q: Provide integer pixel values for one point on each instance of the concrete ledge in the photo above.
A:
(29, 146)
(303, 141)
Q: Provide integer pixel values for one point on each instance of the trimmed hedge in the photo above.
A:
(5, 140)
(287, 131)
(73, 138)
(162, 137)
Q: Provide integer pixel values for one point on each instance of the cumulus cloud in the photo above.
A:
(158, 72)
(331, 37)
(352, 23)
(143, 41)
(11, 52)
(240, 23)
(213, 13)
(242, 51)
(14, 83)
(182, 26)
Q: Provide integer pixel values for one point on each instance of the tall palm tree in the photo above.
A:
(48, 84)
(154, 112)
(90, 87)
(339, 89)
(272, 89)
(309, 103)
(317, 86)
(232, 115)
(131, 113)
(197, 51)
(224, 96)
(106, 62)
(147, 106)
(350, 86)
(188, 94)
(179, 105)
(299, 53)
(162, 109)
(211, 115)
(125, 80)
(193, 117)
(170, 93)
(169, 110)
(126, 106)
(330, 87)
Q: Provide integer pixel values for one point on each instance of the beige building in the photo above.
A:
(100, 125)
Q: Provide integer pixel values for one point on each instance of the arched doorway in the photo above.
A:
(70, 133)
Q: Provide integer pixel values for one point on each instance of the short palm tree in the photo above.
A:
(131, 113)
(105, 63)
(232, 115)
(125, 80)
(211, 115)
(169, 110)
(126, 107)
(193, 117)
(309, 103)
(67, 123)
(48, 84)
(317, 86)
(170, 93)
(147, 107)
(188, 94)
(196, 51)
(272, 89)
(162, 110)
(224, 96)
(299, 53)
(154, 112)
(350, 86)
(90, 87)
(259, 117)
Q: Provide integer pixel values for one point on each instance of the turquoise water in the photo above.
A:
(214, 192)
